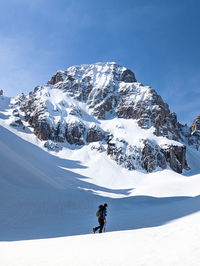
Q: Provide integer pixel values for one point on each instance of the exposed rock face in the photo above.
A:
(75, 133)
(43, 130)
(124, 154)
(193, 133)
(15, 113)
(128, 76)
(69, 106)
(33, 114)
(52, 146)
(95, 134)
(100, 148)
(110, 90)
(196, 126)
(1, 92)
(152, 156)
(16, 122)
(95, 84)
(60, 132)
(148, 156)
(18, 101)
(59, 76)
(81, 83)
(149, 110)
(176, 156)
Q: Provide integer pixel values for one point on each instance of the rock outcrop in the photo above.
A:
(193, 134)
(195, 128)
(148, 155)
(75, 133)
(176, 157)
(52, 146)
(148, 109)
(59, 76)
(95, 134)
(124, 154)
(153, 156)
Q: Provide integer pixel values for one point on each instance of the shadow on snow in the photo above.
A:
(40, 199)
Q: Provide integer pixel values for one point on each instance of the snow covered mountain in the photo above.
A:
(103, 104)
(92, 135)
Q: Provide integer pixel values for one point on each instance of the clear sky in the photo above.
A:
(159, 40)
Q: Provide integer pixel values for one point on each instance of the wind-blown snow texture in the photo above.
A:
(50, 187)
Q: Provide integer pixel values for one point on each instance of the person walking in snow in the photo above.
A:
(101, 214)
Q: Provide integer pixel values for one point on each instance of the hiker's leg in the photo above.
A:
(101, 226)
(98, 227)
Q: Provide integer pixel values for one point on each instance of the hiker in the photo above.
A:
(101, 214)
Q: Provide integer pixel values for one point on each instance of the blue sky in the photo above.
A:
(159, 40)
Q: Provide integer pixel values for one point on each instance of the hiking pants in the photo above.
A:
(101, 224)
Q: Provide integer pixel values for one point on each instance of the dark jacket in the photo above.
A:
(104, 213)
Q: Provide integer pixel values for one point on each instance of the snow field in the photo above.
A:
(172, 244)
(153, 219)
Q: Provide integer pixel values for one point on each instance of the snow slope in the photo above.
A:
(61, 192)
(44, 195)
(172, 244)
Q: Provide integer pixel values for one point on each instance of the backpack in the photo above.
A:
(99, 213)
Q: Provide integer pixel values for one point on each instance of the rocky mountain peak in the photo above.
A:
(104, 103)
(112, 90)
(95, 73)
(196, 126)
